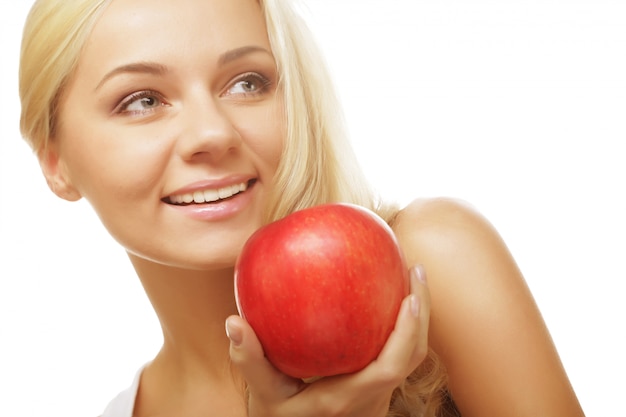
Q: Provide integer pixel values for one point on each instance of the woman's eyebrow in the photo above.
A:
(237, 53)
(160, 69)
(139, 67)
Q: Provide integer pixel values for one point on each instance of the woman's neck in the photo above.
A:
(192, 307)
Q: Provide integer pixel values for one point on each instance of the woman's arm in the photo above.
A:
(485, 324)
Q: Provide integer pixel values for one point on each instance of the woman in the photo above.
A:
(189, 124)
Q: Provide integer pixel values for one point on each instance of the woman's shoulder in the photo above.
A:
(478, 295)
(455, 243)
(470, 270)
(443, 223)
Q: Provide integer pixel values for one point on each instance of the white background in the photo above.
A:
(518, 107)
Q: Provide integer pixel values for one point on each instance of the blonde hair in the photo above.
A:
(317, 166)
(54, 35)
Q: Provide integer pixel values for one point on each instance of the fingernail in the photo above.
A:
(414, 305)
(420, 273)
(234, 333)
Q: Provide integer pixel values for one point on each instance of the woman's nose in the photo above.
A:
(207, 130)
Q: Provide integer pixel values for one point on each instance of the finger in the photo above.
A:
(407, 345)
(420, 286)
(263, 379)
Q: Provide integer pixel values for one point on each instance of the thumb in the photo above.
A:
(264, 381)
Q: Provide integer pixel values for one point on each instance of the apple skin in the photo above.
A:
(322, 288)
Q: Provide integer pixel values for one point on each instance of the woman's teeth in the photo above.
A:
(208, 196)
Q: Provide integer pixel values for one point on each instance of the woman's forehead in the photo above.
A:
(212, 20)
(161, 30)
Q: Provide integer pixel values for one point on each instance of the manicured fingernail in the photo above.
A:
(234, 333)
(420, 273)
(414, 305)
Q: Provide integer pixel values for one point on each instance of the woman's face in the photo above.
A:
(172, 127)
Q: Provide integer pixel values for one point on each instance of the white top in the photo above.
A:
(123, 404)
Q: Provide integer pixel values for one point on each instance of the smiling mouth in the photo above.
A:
(210, 195)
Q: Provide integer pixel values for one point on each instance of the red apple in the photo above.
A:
(322, 288)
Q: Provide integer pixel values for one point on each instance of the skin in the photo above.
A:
(208, 120)
(485, 324)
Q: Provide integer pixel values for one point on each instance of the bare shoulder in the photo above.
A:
(464, 256)
(428, 226)
(438, 212)
(485, 324)
(465, 259)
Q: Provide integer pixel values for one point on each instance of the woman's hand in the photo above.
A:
(364, 393)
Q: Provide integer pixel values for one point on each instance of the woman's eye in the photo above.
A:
(248, 85)
(140, 102)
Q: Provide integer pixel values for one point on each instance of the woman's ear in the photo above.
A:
(56, 174)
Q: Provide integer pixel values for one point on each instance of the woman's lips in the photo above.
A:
(209, 195)
(234, 199)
